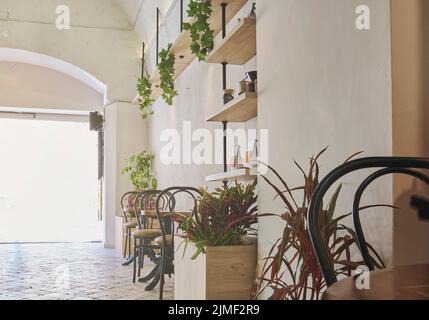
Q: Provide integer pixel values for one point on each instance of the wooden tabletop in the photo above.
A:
(152, 213)
(129, 210)
(403, 283)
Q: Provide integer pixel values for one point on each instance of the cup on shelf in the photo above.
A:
(228, 95)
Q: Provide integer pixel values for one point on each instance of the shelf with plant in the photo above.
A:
(166, 73)
(202, 36)
(238, 47)
(145, 100)
(291, 270)
(182, 46)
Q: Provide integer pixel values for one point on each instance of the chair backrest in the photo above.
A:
(127, 202)
(389, 165)
(167, 227)
(362, 243)
(146, 200)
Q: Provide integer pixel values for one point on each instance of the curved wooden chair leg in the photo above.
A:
(162, 274)
(126, 245)
(140, 257)
(129, 243)
(135, 261)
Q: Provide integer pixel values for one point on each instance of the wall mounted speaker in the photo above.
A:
(95, 121)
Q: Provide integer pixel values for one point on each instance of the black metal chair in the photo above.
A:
(145, 234)
(356, 205)
(166, 241)
(127, 202)
(389, 165)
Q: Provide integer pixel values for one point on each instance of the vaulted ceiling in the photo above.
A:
(115, 14)
(132, 8)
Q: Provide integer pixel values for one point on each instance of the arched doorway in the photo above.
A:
(50, 188)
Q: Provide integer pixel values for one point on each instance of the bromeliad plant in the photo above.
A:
(144, 88)
(140, 170)
(291, 270)
(222, 218)
(201, 34)
(166, 71)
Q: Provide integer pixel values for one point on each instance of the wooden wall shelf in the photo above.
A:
(244, 174)
(241, 109)
(182, 46)
(238, 47)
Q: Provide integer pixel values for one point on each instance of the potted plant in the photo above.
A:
(139, 168)
(291, 270)
(201, 34)
(166, 72)
(144, 88)
(218, 257)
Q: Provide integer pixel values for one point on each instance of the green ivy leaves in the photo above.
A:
(201, 34)
(140, 170)
(166, 73)
(144, 89)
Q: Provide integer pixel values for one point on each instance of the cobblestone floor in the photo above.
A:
(69, 272)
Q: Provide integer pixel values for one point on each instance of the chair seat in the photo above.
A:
(147, 233)
(160, 240)
(131, 225)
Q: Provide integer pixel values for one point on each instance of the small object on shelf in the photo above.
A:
(241, 86)
(238, 160)
(248, 160)
(253, 11)
(255, 155)
(228, 95)
(252, 75)
(251, 86)
(251, 157)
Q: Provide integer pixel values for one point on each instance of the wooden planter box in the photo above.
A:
(223, 273)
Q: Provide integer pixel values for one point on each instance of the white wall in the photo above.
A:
(125, 135)
(410, 30)
(100, 40)
(324, 83)
(31, 86)
(200, 95)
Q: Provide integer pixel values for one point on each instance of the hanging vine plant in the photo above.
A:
(166, 73)
(144, 88)
(201, 34)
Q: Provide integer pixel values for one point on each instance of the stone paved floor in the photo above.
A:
(69, 272)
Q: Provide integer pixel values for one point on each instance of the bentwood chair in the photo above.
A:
(127, 206)
(145, 234)
(394, 277)
(166, 240)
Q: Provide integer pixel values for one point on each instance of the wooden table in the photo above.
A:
(152, 213)
(154, 275)
(403, 283)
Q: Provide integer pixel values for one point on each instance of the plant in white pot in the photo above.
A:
(219, 256)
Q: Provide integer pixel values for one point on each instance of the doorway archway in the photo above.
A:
(44, 97)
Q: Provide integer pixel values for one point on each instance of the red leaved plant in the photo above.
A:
(291, 269)
(222, 218)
